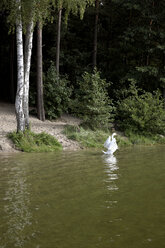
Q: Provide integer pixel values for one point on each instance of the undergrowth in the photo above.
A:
(32, 142)
(86, 137)
(138, 139)
(95, 138)
(91, 138)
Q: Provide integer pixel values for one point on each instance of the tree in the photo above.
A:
(95, 33)
(92, 103)
(20, 71)
(27, 64)
(40, 99)
(73, 6)
(24, 13)
(58, 39)
(12, 56)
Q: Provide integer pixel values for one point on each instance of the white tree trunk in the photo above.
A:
(20, 73)
(27, 64)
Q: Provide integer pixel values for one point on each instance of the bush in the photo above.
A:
(57, 94)
(92, 103)
(141, 112)
(32, 142)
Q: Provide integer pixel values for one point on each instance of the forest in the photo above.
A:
(101, 60)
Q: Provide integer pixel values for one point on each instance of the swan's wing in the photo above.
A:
(108, 152)
(107, 142)
(112, 146)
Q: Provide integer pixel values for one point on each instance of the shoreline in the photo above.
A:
(55, 128)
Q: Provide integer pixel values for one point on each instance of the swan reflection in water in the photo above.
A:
(111, 168)
(111, 162)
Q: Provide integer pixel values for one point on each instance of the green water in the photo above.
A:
(83, 199)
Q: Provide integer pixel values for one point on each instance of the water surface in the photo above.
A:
(83, 199)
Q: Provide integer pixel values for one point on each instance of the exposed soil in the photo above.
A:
(55, 128)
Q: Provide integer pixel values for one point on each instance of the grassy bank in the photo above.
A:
(32, 142)
(95, 139)
(43, 142)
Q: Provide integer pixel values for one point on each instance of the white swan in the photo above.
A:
(111, 145)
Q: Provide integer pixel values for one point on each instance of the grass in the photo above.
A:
(43, 142)
(86, 137)
(91, 138)
(148, 139)
(32, 142)
(95, 139)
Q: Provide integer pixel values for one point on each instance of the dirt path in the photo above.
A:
(55, 128)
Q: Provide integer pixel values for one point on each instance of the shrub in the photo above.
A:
(32, 142)
(92, 103)
(57, 94)
(141, 112)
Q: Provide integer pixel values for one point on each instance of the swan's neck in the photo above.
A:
(113, 135)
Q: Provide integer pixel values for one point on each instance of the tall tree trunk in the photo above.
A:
(27, 64)
(40, 100)
(163, 84)
(58, 41)
(150, 29)
(12, 56)
(20, 73)
(164, 95)
(95, 33)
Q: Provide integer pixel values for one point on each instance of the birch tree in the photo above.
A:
(27, 64)
(21, 18)
(20, 71)
(23, 15)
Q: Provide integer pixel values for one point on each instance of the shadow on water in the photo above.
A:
(83, 199)
(16, 217)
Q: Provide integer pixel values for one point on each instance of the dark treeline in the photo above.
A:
(131, 38)
(123, 39)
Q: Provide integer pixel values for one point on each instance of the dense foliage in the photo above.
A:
(57, 92)
(130, 47)
(141, 112)
(95, 138)
(92, 103)
(32, 142)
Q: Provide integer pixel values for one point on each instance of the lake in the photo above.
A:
(83, 199)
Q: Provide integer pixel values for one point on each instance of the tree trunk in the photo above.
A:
(20, 73)
(40, 100)
(150, 29)
(164, 95)
(27, 64)
(95, 33)
(58, 41)
(12, 56)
